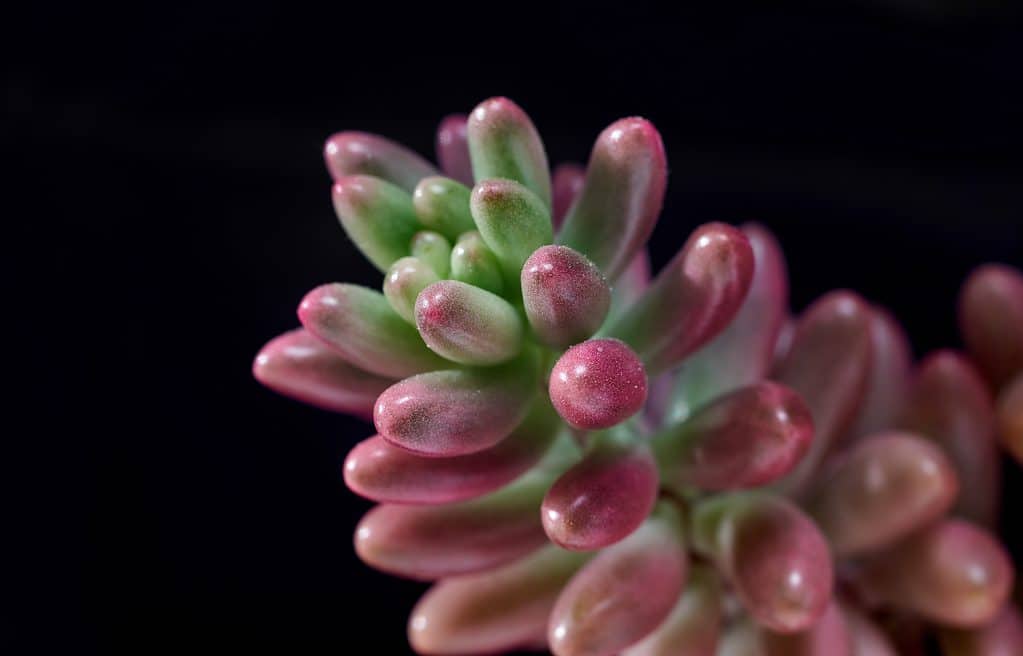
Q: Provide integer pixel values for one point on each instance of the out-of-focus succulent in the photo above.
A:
(597, 463)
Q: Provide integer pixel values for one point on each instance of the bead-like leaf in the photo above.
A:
(453, 148)
(403, 282)
(431, 247)
(360, 153)
(829, 635)
(694, 624)
(467, 324)
(360, 324)
(456, 412)
(503, 143)
(597, 384)
(377, 216)
(991, 320)
(298, 365)
(513, 220)
(887, 486)
(745, 439)
(473, 262)
(621, 197)
(442, 204)
(566, 297)
(888, 381)
(691, 300)
(624, 593)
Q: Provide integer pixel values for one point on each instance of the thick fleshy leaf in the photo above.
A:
(775, 558)
(567, 183)
(953, 573)
(691, 300)
(889, 378)
(631, 284)
(298, 365)
(566, 297)
(829, 635)
(513, 221)
(442, 204)
(597, 384)
(453, 148)
(403, 282)
(456, 412)
(866, 638)
(473, 262)
(828, 364)
(693, 626)
(360, 153)
(431, 247)
(949, 403)
(503, 143)
(886, 487)
(494, 611)
(624, 593)
(748, 438)
(432, 542)
(377, 216)
(602, 499)
(360, 324)
(1003, 637)
(991, 320)
(740, 638)
(467, 324)
(1010, 417)
(743, 352)
(621, 196)
(380, 471)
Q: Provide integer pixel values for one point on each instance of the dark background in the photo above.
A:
(167, 164)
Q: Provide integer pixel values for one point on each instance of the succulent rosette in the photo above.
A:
(595, 462)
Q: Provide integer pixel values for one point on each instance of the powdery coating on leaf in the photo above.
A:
(377, 216)
(453, 148)
(1010, 417)
(602, 499)
(567, 182)
(598, 384)
(406, 278)
(691, 300)
(991, 320)
(745, 439)
(886, 487)
(950, 404)
(566, 297)
(953, 573)
(473, 263)
(494, 611)
(442, 204)
(621, 197)
(454, 412)
(360, 153)
(298, 365)
(431, 247)
(623, 594)
(467, 324)
(503, 143)
(513, 220)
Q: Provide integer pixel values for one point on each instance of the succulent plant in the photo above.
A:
(595, 462)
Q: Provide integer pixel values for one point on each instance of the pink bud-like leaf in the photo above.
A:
(566, 297)
(828, 365)
(694, 624)
(597, 384)
(298, 365)
(360, 153)
(503, 143)
(621, 197)
(378, 217)
(453, 148)
(455, 412)
(743, 352)
(888, 382)
(567, 183)
(467, 324)
(624, 593)
(775, 558)
(361, 326)
(691, 300)
(949, 403)
(495, 611)
(991, 320)
(953, 573)
(828, 636)
(380, 471)
(745, 439)
(886, 487)
(432, 542)
(602, 499)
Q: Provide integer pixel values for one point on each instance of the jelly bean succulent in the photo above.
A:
(593, 461)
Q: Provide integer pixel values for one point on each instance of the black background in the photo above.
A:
(168, 168)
